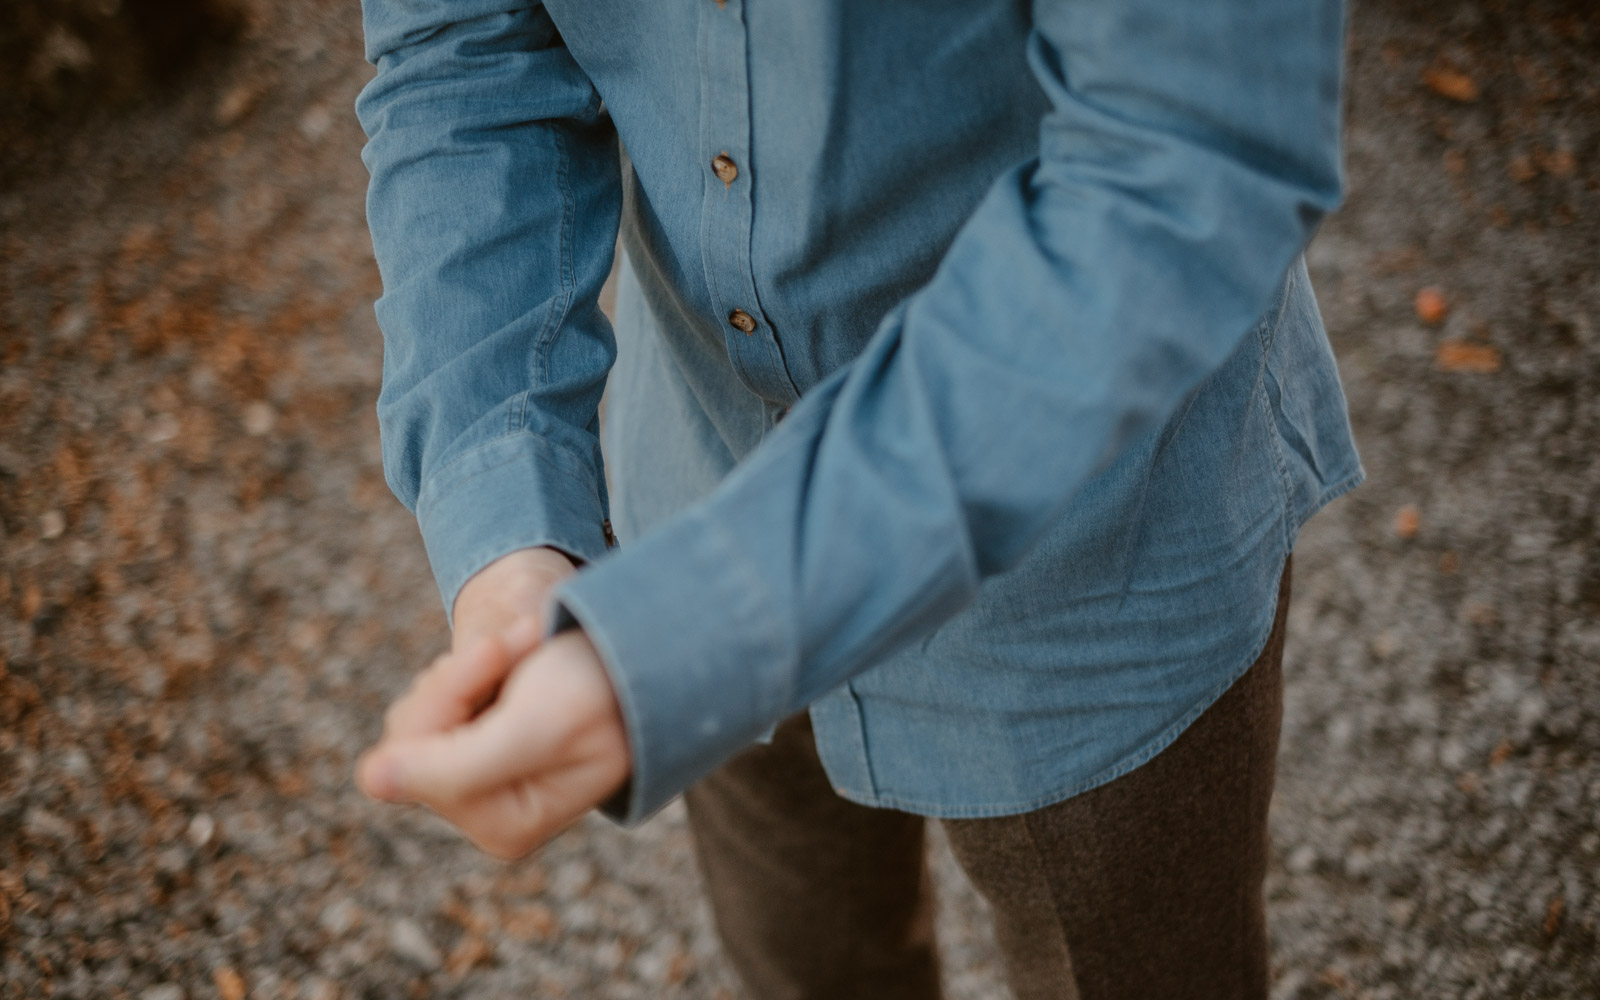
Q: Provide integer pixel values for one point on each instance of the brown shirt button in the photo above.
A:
(742, 321)
(724, 167)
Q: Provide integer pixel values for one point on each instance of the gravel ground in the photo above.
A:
(207, 594)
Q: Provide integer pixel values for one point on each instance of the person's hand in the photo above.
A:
(499, 618)
(551, 746)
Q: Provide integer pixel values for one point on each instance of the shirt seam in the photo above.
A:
(565, 273)
(1268, 334)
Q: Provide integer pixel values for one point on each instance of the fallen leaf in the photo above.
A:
(1407, 520)
(1552, 916)
(462, 915)
(1431, 305)
(1449, 563)
(1522, 169)
(230, 986)
(471, 952)
(1336, 979)
(1398, 261)
(1450, 83)
(681, 967)
(236, 103)
(1500, 754)
(32, 598)
(529, 923)
(1560, 163)
(1461, 356)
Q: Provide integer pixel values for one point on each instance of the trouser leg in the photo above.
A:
(814, 896)
(1149, 886)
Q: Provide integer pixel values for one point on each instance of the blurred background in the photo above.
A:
(207, 594)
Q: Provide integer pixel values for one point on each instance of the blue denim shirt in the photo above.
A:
(969, 388)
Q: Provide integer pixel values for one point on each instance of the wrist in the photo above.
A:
(512, 587)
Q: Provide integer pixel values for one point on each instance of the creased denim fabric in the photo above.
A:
(1023, 284)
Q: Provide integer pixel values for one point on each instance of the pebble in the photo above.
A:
(201, 829)
(165, 991)
(340, 917)
(259, 419)
(163, 428)
(319, 988)
(409, 941)
(46, 823)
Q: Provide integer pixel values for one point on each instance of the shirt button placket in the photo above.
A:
(728, 209)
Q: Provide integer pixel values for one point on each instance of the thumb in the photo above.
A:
(465, 762)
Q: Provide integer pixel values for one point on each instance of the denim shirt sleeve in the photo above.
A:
(494, 202)
(1187, 156)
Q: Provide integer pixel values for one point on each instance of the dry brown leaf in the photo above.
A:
(1552, 916)
(681, 967)
(1500, 754)
(1449, 563)
(32, 599)
(471, 952)
(1522, 169)
(236, 103)
(1450, 83)
(462, 915)
(1407, 520)
(1560, 163)
(1461, 356)
(1431, 305)
(1336, 979)
(230, 985)
(529, 923)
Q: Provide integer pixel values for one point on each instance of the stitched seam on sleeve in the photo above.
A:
(546, 340)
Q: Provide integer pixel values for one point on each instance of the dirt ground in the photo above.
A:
(207, 594)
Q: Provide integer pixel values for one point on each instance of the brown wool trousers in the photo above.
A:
(1149, 886)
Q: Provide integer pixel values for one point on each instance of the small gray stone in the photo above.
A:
(340, 917)
(410, 942)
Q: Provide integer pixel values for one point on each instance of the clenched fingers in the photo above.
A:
(457, 686)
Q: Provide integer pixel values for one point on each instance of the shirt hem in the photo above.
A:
(1137, 758)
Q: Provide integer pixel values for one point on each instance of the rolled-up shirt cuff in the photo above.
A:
(515, 492)
(694, 649)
